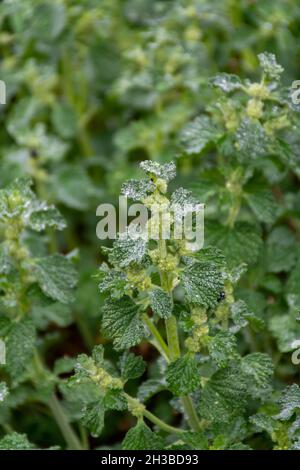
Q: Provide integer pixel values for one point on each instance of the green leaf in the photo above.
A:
(262, 203)
(15, 441)
(64, 120)
(252, 141)
(202, 283)
(241, 244)
(150, 388)
(112, 281)
(270, 66)
(3, 391)
(195, 440)
(286, 330)
(211, 255)
(292, 286)
(222, 348)
(127, 250)
(258, 369)
(45, 216)
(224, 396)
(199, 134)
(57, 277)
(281, 253)
(20, 344)
(289, 402)
(131, 366)
(142, 438)
(161, 303)
(227, 82)
(166, 172)
(242, 315)
(93, 417)
(183, 375)
(137, 190)
(122, 323)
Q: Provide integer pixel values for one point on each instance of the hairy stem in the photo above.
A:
(159, 341)
(154, 419)
(63, 424)
(191, 413)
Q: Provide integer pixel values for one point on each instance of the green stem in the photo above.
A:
(154, 419)
(172, 335)
(191, 413)
(159, 341)
(63, 424)
(57, 410)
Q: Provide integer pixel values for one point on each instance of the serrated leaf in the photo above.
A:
(161, 303)
(222, 348)
(57, 277)
(20, 344)
(286, 330)
(149, 388)
(131, 366)
(242, 315)
(112, 281)
(199, 134)
(183, 375)
(137, 190)
(211, 255)
(15, 441)
(202, 283)
(289, 402)
(142, 438)
(280, 250)
(252, 141)
(46, 216)
(93, 417)
(263, 204)
(122, 323)
(241, 244)
(258, 368)
(127, 250)
(195, 440)
(224, 396)
(269, 65)
(166, 172)
(227, 82)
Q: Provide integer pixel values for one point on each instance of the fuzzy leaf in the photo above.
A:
(15, 441)
(258, 368)
(56, 277)
(281, 253)
(161, 303)
(137, 190)
(252, 141)
(142, 438)
(166, 172)
(224, 395)
(242, 315)
(222, 348)
(112, 281)
(263, 204)
(242, 244)
(202, 283)
(149, 388)
(183, 375)
(127, 250)
(227, 82)
(198, 134)
(289, 402)
(93, 417)
(122, 323)
(269, 65)
(286, 330)
(131, 366)
(20, 344)
(46, 216)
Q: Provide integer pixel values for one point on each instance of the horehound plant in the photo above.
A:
(35, 290)
(182, 302)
